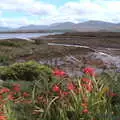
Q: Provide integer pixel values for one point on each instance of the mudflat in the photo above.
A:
(38, 48)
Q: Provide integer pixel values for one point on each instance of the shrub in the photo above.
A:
(25, 71)
(4, 60)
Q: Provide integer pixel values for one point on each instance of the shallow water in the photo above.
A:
(25, 35)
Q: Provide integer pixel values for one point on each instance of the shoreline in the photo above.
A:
(57, 49)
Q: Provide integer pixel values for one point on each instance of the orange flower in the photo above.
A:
(85, 110)
(56, 88)
(63, 93)
(1, 113)
(59, 73)
(2, 117)
(13, 93)
(90, 71)
(88, 87)
(70, 86)
(111, 94)
(11, 97)
(4, 90)
(25, 94)
(16, 87)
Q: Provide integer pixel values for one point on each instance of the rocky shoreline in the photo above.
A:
(69, 51)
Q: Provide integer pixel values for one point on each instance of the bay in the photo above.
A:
(25, 35)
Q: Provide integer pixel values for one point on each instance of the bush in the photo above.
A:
(25, 71)
(4, 60)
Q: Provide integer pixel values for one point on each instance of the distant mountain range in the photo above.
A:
(85, 26)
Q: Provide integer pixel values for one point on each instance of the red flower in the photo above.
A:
(56, 88)
(4, 90)
(11, 97)
(63, 93)
(90, 71)
(86, 80)
(1, 113)
(16, 87)
(111, 94)
(2, 117)
(59, 73)
(25, 94)
(86, 111)
(89, 87)
(13, 93)
(70, 86)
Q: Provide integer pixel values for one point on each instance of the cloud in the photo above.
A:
(86, 10)
(95, 10)
(75, 11)
(14, 22)
(28, 6)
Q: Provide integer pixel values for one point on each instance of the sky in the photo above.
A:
(16, 13)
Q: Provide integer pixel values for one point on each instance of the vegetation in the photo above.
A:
(89, 97)
(4, 59)
(24, 71)
(31, 91)
(9, 43)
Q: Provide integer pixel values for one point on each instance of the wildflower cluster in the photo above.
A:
(11, 96)
(68, 99)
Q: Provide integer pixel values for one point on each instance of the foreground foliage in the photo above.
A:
(89, 97)
(24, 71)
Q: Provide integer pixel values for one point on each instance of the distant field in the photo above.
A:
(17, 49)
(93, 39)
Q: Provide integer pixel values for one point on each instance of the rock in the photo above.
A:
(101, 59)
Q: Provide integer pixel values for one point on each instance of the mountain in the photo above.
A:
(95, 26)
(55, 26)
(33, 27)
(84, 26)
(62, 26)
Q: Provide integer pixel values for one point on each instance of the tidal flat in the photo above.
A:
(69, 51)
